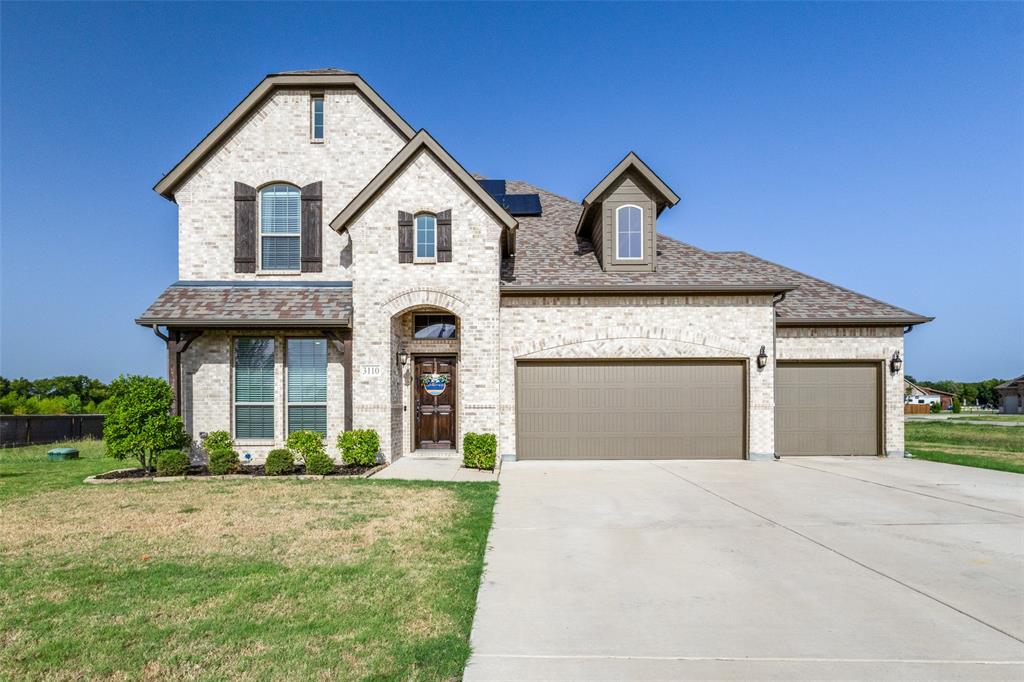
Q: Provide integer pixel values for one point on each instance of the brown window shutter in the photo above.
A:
(444, 236)
(312, 228)
(245, 228)
(405, 241)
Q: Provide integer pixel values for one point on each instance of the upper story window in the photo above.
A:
(316, 118)
(434, 326)
(280, 227)
(629, 232)
(426, 239)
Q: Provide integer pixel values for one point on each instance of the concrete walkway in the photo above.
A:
(808, 568)
(434, 469)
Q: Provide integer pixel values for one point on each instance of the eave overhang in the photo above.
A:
(851, 321)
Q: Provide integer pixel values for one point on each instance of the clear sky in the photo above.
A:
(877, 146)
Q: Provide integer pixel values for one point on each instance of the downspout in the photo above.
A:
(776, 300)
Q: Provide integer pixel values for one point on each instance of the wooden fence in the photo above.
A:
(40, 429)
(914, 408)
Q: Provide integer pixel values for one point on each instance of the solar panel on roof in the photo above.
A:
(495, 188)
(521, 204)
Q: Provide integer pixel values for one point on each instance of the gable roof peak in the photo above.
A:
(666, 198)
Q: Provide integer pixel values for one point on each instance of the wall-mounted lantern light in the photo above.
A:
(402, 356)
(896, 364)
(762, 359)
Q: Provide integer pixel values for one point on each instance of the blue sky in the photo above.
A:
(878, 146)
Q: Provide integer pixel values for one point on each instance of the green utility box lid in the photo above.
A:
(59, 454)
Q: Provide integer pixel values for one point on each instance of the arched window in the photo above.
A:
(426, 238)
(629, 242)
(280, 227)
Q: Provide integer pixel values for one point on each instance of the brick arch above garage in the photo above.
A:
(651, 342)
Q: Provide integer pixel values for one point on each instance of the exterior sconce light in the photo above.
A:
(762, 359)
(402, 357)
(896, 364)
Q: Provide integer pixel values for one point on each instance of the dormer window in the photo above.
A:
(426, 239)
(280, 227)
(629, 242)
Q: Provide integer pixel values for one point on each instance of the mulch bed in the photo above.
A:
(254, 470)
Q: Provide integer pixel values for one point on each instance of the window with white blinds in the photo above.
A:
(254, 388)
(280, 227)
(307, 385)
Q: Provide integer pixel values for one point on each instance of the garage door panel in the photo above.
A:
(827, 409)
(630, 410)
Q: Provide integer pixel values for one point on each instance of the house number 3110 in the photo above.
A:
(370, 370)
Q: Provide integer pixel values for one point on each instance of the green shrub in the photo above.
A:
(479, 450)
(957, 406)
(139, 424)
(218, 440)
(223, 462)
(280, 462)
(319, 464)
(935, 408)
(306, 444)
(172, 463)
(359, 447)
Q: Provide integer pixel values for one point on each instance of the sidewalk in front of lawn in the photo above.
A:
(434, 469)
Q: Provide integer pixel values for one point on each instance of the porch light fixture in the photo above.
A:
(762, 359)
(896, 364)
(402, 356)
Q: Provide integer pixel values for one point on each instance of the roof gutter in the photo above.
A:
(220, 323)
(851, 321)
(628, 289)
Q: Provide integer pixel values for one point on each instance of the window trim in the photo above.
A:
(618, 211)
(416, 258)
(260, 270)
(234, 396)
(314, 97)
(287, 403)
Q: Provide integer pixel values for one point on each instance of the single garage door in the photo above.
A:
(827, 408)
(656, 409)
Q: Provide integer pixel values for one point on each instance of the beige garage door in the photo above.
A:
(656, 409)
(827, 409)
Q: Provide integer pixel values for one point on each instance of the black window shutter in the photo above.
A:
(405, 242)
(444, 236)
(312, 228)
(245, 228)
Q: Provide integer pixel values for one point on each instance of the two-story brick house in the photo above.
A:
(339, 269)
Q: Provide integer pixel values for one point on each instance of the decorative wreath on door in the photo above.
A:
(434, 379)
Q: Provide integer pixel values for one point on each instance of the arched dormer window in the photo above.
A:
(280, 227)
(426, 238)
(629, 232)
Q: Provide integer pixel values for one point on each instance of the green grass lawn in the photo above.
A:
(333, 579)
(979, 445)
(990, 417)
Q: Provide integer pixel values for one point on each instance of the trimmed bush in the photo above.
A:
(479, 450)
(306, 444)
(935, 408)
(218, 440)
(319, 464)
(957, 407)
(172, 463)
(223, 462)
(280, 462)
(359, 447)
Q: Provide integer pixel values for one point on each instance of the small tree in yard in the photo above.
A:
(139, 423)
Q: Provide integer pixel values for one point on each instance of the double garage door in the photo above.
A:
(651, 409)
(665, 409)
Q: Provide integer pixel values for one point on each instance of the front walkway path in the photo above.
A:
(807, 568)
(433, 469)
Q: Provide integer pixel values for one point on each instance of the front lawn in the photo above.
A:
(979, 445)
(990, 417)
(333, 579)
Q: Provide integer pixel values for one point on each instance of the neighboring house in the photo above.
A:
(339, 269)
(1011, 396)
(922, 395)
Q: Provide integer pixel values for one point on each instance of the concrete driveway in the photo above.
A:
(807, 568)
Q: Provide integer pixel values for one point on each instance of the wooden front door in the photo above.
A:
(435, 402)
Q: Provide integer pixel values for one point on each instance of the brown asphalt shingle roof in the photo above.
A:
(232, 305)
(549, 254)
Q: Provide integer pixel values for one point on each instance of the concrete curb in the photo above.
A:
(93, 480)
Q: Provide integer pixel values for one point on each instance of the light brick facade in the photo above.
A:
(273, 145)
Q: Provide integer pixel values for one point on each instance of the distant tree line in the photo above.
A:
(57, 395)
(969, 393)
